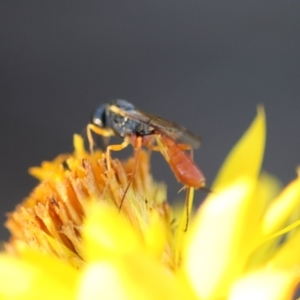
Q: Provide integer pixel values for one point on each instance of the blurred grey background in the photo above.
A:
(204, 64)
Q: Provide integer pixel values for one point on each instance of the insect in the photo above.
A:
(139, 128)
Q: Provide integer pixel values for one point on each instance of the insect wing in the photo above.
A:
(168, 128)
(174, 131)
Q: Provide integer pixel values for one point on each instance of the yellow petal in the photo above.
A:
(78, 145)
(246, 157)
(155, 235)
(267, 189)
(227, 225)
(36, 276)
(287, 254)
(49, 169)
(102, 281)
(282, 208)
(214, 258)
(265, 285)
(134, 276)
(107, 232)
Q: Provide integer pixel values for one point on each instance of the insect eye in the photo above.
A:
(99, 116)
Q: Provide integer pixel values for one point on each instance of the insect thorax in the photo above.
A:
(123, 126)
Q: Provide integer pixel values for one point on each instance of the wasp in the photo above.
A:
(139, 128)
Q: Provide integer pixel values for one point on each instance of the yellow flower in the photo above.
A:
(70, 241)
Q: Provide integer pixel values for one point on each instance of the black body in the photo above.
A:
(121, 125)
(124, 119)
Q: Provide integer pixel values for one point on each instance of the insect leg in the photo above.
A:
(101, 131)
(118, 147)
(137, 148)
(188, 205)
(189, 198)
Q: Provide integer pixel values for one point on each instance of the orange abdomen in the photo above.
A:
(185, 170)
